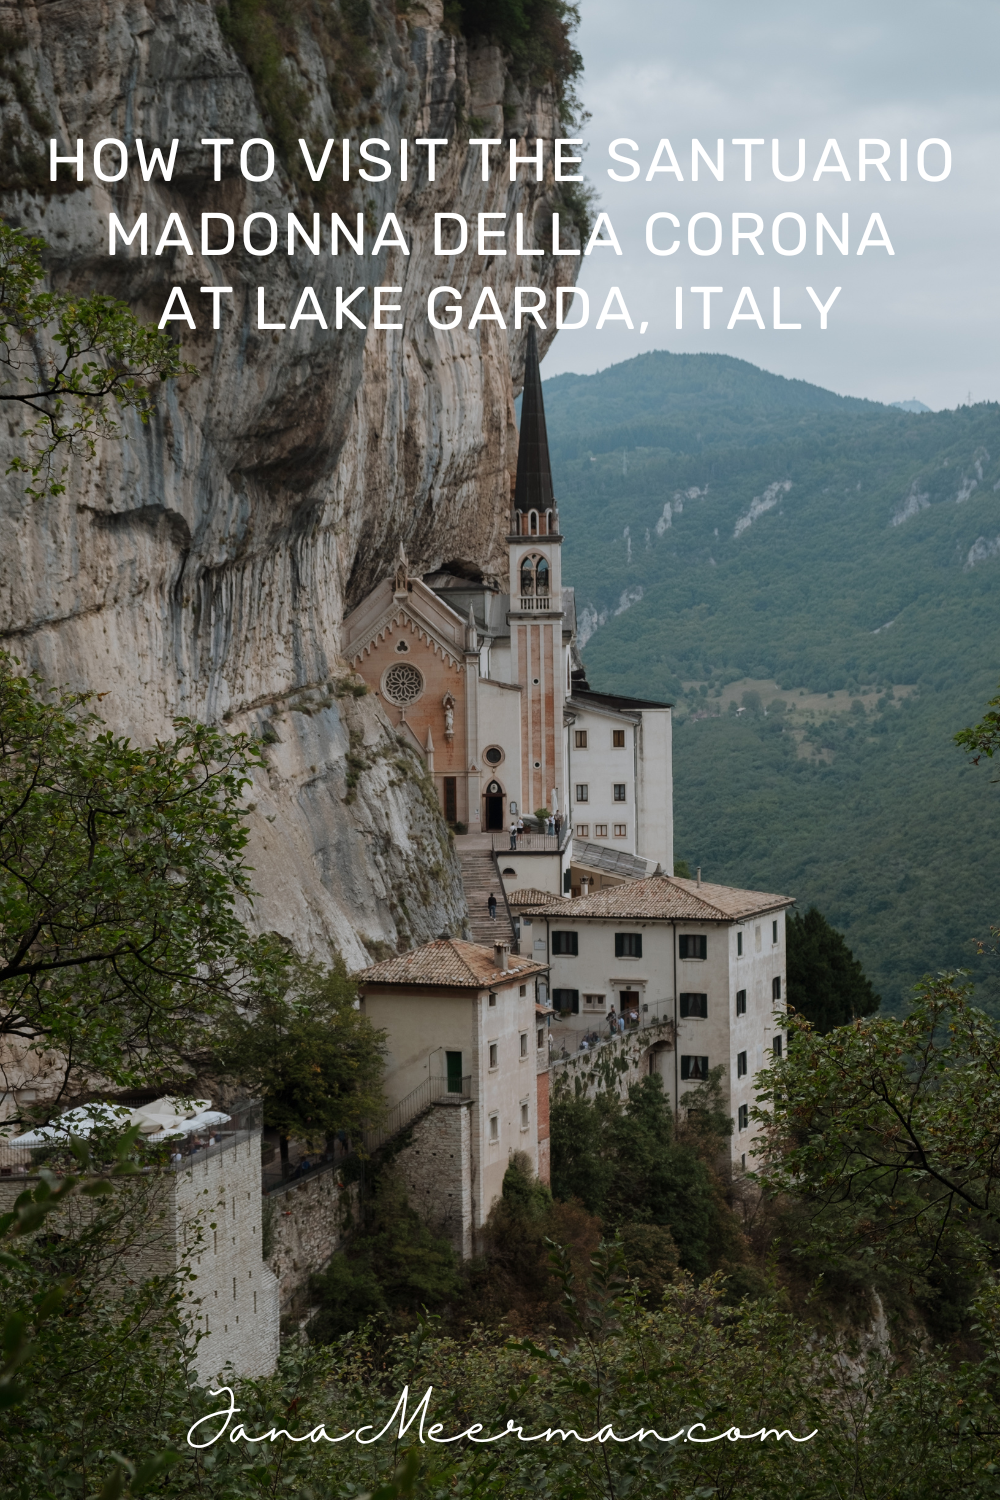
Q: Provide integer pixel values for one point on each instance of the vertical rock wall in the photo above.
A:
(204, 565)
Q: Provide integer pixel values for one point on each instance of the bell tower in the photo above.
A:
(539, 656)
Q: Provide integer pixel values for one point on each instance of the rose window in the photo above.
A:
(402, 683)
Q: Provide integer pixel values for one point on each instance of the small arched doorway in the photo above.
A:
(493, 806)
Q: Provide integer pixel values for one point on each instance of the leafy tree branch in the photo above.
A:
(122, 884)
(73, 363)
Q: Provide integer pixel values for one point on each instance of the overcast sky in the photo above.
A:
(924, 322)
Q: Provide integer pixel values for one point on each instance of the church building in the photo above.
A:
(484, 676)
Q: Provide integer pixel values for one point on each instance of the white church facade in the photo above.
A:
(485, 678)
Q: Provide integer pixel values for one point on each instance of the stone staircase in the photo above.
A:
(480, 876)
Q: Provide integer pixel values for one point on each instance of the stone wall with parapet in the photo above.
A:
(235, 1298)
(613, 1064)
(207, 1214)
(305, 1223)
(436, 1168)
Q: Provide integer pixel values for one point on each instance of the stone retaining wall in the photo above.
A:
(308, 1221)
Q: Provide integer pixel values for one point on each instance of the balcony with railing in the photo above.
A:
(531, 843)
(177, 1151)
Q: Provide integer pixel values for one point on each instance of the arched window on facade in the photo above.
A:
(542, 577)
(533, 522)
(527, 576)
(548, 522)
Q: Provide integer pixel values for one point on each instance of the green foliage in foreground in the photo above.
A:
(317, 1061)
(890, 835)
(106, 1395)
(121, 868)
(394, 1265)
(887, 1134)
(620, 1158)
(884, 1133)
(982, 738)
(826, 984)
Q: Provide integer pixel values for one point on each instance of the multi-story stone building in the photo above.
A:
(205, 1216)
(707, 958)
(463, 1042)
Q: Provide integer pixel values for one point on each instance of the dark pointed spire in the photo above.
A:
(533, 485)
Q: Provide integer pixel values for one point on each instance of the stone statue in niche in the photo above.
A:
(402, 571)
(448, 703)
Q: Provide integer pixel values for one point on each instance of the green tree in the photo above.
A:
(121, 868)
(396, 1264)
(624, 1162)
(89, 1352)
(71, 362)
(315, 1058)
(887, 1133)
(983, 738)
(826, 984)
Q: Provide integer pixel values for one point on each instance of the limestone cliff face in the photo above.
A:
(204, 565)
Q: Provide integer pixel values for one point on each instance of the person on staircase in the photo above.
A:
(492, 907)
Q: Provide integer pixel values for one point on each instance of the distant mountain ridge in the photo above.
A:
(725, 523)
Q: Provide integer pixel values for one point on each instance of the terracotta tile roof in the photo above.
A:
(531, 896)
(670, 898)
(449, 961)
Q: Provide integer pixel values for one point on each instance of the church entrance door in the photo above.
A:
(628, 1006)
(494, 812)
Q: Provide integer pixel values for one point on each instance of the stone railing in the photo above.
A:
(613, 1062)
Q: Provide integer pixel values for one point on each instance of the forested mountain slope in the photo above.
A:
(731, 532)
